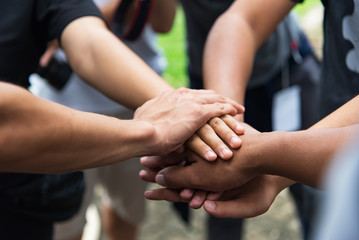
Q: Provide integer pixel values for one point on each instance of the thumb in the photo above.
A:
(175, 177)
(224, 209)
(235, 208)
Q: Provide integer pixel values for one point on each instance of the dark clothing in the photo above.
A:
(340, 75)
(27, 25)
(29, 208)
(30, 203)
(14, 226)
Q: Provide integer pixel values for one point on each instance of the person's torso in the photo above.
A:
(340, 75)
(25, 28)
(22, 40)
(200, 16)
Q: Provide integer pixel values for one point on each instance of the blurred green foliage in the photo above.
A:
(302, 8)
(174, 47)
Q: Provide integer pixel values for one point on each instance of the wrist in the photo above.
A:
(265, 155)
(274, 153)
(144, 137)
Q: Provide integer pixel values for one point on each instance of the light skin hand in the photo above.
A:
(212, 139)
(177, 114)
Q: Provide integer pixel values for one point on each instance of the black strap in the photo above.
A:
(142, 12)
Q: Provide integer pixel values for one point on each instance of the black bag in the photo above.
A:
(56, 73)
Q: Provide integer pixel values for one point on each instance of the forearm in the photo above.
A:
(302, 156)
(233, 42)
(226, 64)
(43, 137)
(105, 62)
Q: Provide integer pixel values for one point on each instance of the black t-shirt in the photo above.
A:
(25, 28)
(340, 69)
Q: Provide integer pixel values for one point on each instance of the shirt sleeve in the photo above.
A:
(55, 15)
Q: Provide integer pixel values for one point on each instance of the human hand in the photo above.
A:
(212, 139)
(204, 175)
(227, 129)
(249, 200)
(177, 114)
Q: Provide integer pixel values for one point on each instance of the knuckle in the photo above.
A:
(197, 110)
(227, 118)
(215, 122)
(220, 106)
(192, 141)
(205, 130)
(183, 90)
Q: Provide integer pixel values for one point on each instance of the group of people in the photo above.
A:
(300, 156)
(203, 152)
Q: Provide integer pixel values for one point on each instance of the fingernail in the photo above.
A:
(210, 205)
(198, 198)
(148, 193)
(239, 129)
(143, 160)
(235, 141)
(210, 155)
(226, 152)
(160, 180)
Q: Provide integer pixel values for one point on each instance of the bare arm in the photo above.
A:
(233, 41)
(44, 137)
(301, 156)
(39, 136)
(347, 115)
(103, 61)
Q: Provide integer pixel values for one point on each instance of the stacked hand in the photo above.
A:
(225, 188)
(176, 115)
